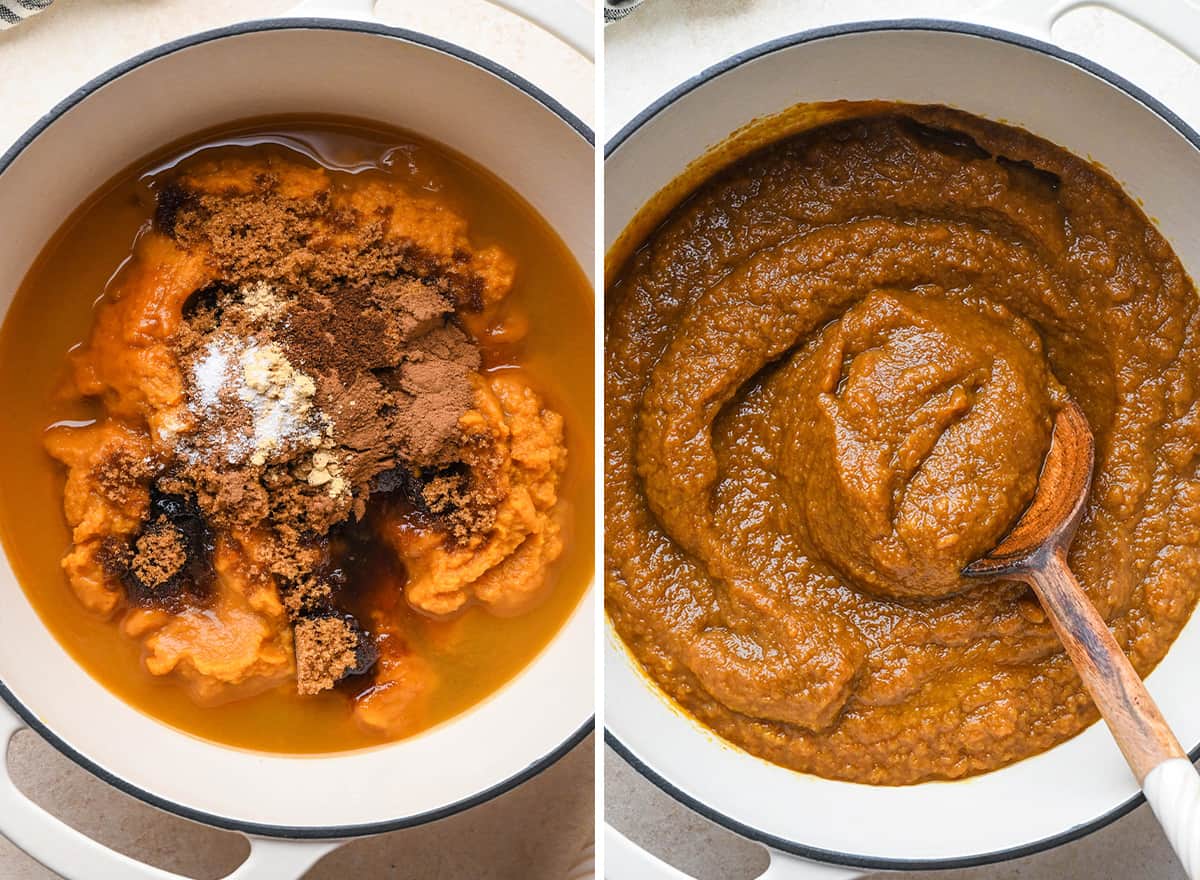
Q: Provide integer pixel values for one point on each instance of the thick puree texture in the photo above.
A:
(831, 377)
(298, 599)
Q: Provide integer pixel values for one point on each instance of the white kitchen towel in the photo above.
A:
(13, 12)
(615, 9)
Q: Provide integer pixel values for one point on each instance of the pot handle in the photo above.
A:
(74, 855)
(572, 21)
(625, 860)
(1176, 21)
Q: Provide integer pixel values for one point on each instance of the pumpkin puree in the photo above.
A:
(407, 533)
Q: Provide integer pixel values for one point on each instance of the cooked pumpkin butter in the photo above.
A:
(831, 378)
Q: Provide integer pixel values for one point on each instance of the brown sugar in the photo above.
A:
(159, 554)
(308, 596)
(309, 372)
(168, 563)
(121, 476)
(327, 650)
(294, 238)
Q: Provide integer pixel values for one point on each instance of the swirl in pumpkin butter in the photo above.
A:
(831, 377)
(296, 387)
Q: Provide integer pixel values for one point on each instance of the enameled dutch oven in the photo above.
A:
(330, 58)
(810, 824)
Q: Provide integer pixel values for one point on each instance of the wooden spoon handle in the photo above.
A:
(1131, 714)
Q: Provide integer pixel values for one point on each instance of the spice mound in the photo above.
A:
(291, 382)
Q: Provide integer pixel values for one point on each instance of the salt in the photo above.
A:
(210, 373)
(277, 398)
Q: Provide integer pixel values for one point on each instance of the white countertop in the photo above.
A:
(536, 831)
(664, 43)
(532, 832)
(682, 37)
(50, 55)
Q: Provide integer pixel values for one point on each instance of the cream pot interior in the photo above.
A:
(1081, 783)
(315, 67)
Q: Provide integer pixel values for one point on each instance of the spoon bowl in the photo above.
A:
(1053, 516)
(1035, 551)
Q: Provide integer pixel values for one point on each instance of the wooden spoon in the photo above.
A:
(1035, 551)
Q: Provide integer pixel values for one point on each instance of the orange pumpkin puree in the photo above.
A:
(440, 504)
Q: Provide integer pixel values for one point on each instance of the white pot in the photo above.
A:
(297, 65)
(1075, 787)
